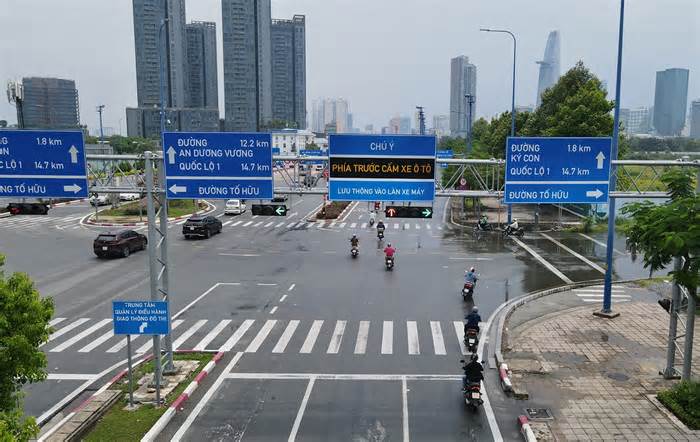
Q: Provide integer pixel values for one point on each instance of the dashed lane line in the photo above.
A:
(542, 261)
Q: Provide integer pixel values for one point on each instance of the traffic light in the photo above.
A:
(408, 212)
(269, 209)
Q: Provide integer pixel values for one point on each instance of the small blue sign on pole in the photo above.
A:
(218, 165)
(42, 164)
(381, 167)
(141, 317)
(312, 153)
(444, 154)
(557, 170)
(276, 151)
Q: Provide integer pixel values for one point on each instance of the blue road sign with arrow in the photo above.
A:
(140, 317)
(42, 164)
(218, 165)
(557, 170)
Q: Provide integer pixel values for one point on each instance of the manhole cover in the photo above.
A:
(618, 376)
(539, 414)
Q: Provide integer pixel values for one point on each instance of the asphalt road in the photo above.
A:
(318, 345)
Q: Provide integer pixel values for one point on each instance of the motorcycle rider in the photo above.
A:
(473, 319)
(484, 222)
(355, 242)
(389, 251)
(470, 276)
(473, 372)
(513, 227)
(372, 217)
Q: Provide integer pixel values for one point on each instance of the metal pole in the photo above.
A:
(669, 372)
(152, 261)
(689, 334)
(607, 292)
(162, 75)
(131, 376)
(470, 101)
(100, 108)
(164, 282)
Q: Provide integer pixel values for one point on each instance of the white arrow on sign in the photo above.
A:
(600, 157)
(171, 155)
(73, 154)
(594, 193)
(177, 189)
(143, 326)
(72, 188)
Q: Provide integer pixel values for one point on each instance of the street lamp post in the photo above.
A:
(470, 101)
(101, 109)
(512, 102)
(161, 49)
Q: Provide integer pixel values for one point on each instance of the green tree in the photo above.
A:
(24, 325)
(664, 232)
(278, 124)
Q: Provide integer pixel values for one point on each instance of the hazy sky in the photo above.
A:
(384, 56)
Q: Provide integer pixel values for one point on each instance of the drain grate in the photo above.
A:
(539, 414)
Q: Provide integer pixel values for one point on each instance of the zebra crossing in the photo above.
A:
(595, 294)
(334, 225)
(332, 337)
(41, 222)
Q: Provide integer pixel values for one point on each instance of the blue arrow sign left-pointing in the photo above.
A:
(42, 164)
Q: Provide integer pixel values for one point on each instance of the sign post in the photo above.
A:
(381, 167)
(541, 170)
(218, 165)
(141, 318)
(42, 164)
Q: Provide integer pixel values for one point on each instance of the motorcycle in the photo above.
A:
(380, 234)
(509, 231)
(468, 291)
(472, 395)
(371, 222)
(389, 262)
(354, 251)
(480, 227)
(471, 340)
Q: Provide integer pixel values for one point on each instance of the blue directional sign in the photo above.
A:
(218, 165)
(444, 154)
(312, 153)
(140, 317)
(557, 170)
(381, 167)
(42, 164)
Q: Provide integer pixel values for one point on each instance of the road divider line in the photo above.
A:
(576, 254)
(459, 331)
(413, 343)
(310, 340)
(286, 337)
(600, 243)
(261, 336)
(188, 333)
(438, 341)
(201, 345)
(291, 287)
(542, 261)
(362, 336)
(240, 255)
(237, 335)
(206, 398)
(71, 377)
(387, 338)
(302, 409)
(85, 333)
(337, 337)
(273, 310)
(283, 298)
(267, 284)
(404, 409)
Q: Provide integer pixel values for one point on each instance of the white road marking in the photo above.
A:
(543, 261)
(417, 226)
(273, 310)
(601, 300)
(600, 243)
(181, 222)
(188, 333)
(88, 331)
(300, 413)
(438, 341)
(226, 223)
(147, 346)
(236, 223)
(406, 226)
(248, 223)
(353, 225)
(363, 226)
(71, 376)
(279, 225)
(291, 287)
(283, 298)
(459, 331)
(67, 328)
(362, 335)
(286, 337)
(97, 342)
(289, 226)
(320, 224)
(55, 321)
(342, 225)
(254, 216)
(220, 215)
(240, 255)
(428, 226)
(206, 398)
(201, 345)
(413, 344)
(258, 223)
(337, 337)
(261, 336)
(388, 338)
(404, 409)
(396, 226)
(333, 224)
(237, 335)
(267, 284)
(345, 377)
(199, 298)
(308, 345)
(576, 254)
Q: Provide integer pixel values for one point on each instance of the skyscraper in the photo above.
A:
(148, 15)
(549, 65)
(635, 121)
(247, 63)
(289, 70)
(50, 103)
(670, 101)
(695, 119)
(201, 65)
(462, 83)
(441, 125)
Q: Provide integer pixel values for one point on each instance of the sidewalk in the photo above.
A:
(594, 374)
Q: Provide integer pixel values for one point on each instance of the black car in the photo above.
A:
(28, 208)
(202, 226)
(280, 198)
(120, 243)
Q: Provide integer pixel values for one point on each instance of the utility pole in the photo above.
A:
(421, 120)
(471, 99)
(100, 109)
(15, 95)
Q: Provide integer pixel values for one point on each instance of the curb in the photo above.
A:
(67, 203)
(210, 208)
(5, 215)
(526, 429)
(177, 404)
(506, 384)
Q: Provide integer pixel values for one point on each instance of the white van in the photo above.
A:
(234, 207)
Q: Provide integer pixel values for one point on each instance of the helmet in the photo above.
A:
(474, 357)
(472, 269)
(475, 309)
(388, 245)
(515, 220)
(354, 236)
